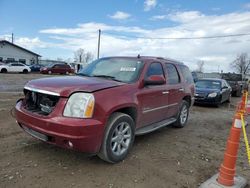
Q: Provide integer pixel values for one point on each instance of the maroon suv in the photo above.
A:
(111, 100)
(59, 68)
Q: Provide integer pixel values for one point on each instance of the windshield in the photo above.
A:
(208, 84)
(119, 69)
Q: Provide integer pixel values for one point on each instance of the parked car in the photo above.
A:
(236, 82)
(36, 67)
(59, 68)
(14, 67)
(212, 91)
(109, 102)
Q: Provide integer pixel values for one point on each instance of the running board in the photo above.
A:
(154, 126)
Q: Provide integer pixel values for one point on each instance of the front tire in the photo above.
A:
(182, 115)
(118, 138)
(4, 70)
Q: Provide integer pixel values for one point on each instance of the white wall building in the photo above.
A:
(10, 52)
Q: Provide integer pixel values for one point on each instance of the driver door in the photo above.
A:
(153, 99)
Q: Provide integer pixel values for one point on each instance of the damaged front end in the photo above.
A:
(39, 103)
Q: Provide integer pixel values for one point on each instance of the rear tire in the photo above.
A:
(182, 115)
(25, 71)
(238, 93)
(4, 70)
(118, 138)
(229, 98)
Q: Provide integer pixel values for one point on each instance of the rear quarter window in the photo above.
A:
(172, 74)
(186, 74)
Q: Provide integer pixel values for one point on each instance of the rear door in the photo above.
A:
(153, 99)
(175, 89)
(63, 69)
(13, 67)
(20, 67)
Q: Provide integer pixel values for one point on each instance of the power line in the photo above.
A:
(181, 38)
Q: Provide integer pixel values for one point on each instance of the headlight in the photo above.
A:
(212, 95)
(80, 105)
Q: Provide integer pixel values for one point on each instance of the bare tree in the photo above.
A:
(83, 57)
(200, 66)
(241, 64)
(89, 57)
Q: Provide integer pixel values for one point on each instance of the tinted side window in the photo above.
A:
(56, 66)
(224, 84)
(227, 84)
(66, 66)
(187, 74)
(173, 76)
(155, 69)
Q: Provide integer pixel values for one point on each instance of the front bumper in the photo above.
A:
(208, 100)
(73, 133)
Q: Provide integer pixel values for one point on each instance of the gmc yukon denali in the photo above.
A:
(111, 100)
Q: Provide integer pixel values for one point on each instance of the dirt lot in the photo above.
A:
(166, 158)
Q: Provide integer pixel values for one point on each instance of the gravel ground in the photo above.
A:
(169, 157)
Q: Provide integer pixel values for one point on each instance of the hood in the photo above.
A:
(66, 85)
(206, 90)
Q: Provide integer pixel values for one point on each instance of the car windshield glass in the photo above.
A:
(119, 69)
(208, 84)
(50, 65)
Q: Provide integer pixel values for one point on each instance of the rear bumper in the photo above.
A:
(73, 133)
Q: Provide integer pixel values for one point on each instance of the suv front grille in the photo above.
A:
(39, 103)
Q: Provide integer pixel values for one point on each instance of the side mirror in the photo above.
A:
(225, 87)
(155, 80)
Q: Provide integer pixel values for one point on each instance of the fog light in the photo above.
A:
(70, 144)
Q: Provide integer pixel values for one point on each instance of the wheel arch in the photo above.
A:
(188, 99)
(4, 69)
(129, 110)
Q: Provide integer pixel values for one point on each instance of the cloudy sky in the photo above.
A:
(55, 29)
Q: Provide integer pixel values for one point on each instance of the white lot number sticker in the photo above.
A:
(128, 69)
(216, 83)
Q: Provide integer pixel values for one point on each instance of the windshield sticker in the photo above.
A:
(217, 83)
(128, 69)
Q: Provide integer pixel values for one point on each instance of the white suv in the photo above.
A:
(14, 67)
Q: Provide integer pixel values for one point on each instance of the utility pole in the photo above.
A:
(99, 40)
(12, 38)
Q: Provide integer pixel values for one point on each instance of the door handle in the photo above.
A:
(165, 92)
(181, 89)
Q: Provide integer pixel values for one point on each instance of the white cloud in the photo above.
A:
(217, 53)
(158, 17)
(119, 15)
(184, 17)
(30, 43)
(26, 42)
(149, 4)
(91, 28)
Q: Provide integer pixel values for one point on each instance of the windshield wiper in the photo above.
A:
(83, 74)
(108, 77)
